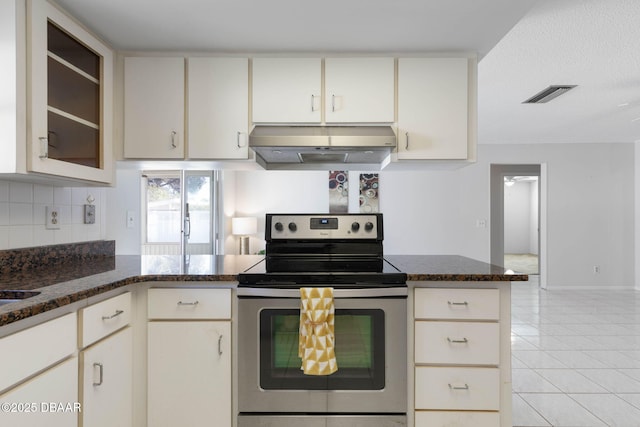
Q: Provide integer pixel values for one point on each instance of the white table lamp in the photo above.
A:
(244, 227)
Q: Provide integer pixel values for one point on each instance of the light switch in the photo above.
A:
(131, 220)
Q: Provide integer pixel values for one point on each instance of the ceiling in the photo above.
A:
(594, 44)
(524, 46)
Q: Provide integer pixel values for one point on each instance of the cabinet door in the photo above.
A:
(106, 370)
(433, 108)
(286, 90)
(218, 108)
(359, 90)
(71, 93)
(189, 373)
(154, 108)
(58, 385)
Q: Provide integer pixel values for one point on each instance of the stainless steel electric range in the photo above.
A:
(343, 252)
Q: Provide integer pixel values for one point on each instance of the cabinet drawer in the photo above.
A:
(29, 351)
(457, 419)
(99, 320)
(458, 388)
(462, 343)
(438, 303)
(189, 303)
(55, 386)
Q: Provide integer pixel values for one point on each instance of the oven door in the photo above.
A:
(370, 347)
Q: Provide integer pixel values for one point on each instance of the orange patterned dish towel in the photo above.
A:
(317, 335)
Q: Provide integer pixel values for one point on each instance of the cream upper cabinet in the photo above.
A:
(286, 90)
(218, 108)
(71, 97)
(359, 90)
(154, 100)
(433, 108)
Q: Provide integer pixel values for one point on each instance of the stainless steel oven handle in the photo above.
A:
(337, 293)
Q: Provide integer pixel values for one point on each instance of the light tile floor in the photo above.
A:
(575, 357)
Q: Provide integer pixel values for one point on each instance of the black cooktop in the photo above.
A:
(387, 276)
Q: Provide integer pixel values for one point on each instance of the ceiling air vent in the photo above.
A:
(548, 94)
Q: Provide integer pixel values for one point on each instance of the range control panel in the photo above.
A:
(324, 226)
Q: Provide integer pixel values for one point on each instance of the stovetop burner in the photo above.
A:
(389, 276)
(340, 250)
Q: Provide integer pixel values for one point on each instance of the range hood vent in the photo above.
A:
(548, 94)
(322, 144)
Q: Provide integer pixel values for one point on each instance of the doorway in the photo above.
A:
(518, 197)
(178, 212)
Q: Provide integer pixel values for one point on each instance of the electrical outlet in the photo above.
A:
(481, 223)
(596, 269)
(52, 218)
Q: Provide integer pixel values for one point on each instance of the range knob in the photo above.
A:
(278, 226)
(293, 226)
(368, 226)
(355, 226)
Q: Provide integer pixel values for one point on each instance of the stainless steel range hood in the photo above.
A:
(322, 145)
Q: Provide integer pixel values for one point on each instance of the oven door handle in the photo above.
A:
(266, 292)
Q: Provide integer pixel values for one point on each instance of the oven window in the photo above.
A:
(359, 349)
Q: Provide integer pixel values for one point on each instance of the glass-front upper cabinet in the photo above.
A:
(71, 98)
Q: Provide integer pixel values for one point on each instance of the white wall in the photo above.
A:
(520, 218)
(22, 214)
(590, 209)
(125, 196)
(534, 220)
(637, 213)
(590, 214)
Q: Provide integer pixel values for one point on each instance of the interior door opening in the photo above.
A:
(521, 223)
(518, 206)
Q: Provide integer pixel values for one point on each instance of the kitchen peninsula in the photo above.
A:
(458, 354)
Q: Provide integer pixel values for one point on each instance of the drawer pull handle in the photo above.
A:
(462, 341)
(174, 138)
(458, 303)
(116, 314)
(459, 387)
(188, 303)
(220, 345)
(100, 367)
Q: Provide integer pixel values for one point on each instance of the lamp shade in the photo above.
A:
(244, 226)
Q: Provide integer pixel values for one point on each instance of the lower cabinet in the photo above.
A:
(106, 362)
(49, 399)
(461, 357)
(447, 418)
(105, 380)
(189, 360)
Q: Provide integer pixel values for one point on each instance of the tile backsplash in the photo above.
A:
(22, 214)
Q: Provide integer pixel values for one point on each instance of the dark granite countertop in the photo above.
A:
(65, 284)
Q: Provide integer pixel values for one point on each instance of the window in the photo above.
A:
(164, 208)
(179, 211)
